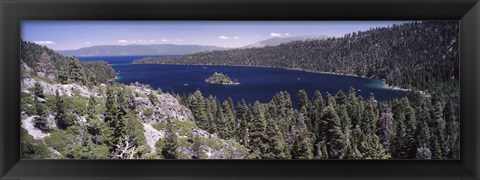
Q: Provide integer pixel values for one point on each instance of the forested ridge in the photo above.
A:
(49, 64)
(417, 55)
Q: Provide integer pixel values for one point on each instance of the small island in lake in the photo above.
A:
(220, 78)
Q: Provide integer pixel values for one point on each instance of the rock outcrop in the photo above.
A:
(167, 106)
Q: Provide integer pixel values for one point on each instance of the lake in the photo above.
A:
(255, 83)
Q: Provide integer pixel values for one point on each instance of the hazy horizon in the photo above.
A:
(70, 35)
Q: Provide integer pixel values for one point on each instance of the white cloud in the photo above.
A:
(179, 39)
(151, 41)
(44, 42)
(287, 34)
(164, 40)
(122, 41)
(275, 34)
(236, 37)
(88, 42)
(224, 37)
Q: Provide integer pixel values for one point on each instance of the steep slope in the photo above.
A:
(80, 119)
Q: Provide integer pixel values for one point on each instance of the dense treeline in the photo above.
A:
(47, 63)
(417, 55)
(340, 126)
(98, 71)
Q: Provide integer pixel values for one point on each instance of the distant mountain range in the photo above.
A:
(277, 40)
(171, 49)
(133, 50)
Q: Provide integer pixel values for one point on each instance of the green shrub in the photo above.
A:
(159, 146)
(76, 104)
(69, 120)
(31, 148)
(184, 127)
(214, 143)
(153, 98)
(41, 123)
(99, 152)
(50, 104)
(137, 94)
(29, 109)
(59, 140)
(160, 126)
(25, 98)
(148, 112)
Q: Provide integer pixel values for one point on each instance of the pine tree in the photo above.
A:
(40, 121)
(230, 121)
(276, 147)
(318, 106)
(60, 113)
(198, 152)
(321, 148)
(302, 147)
(410, 140)
(437, 141)
(341, 98)
(331, 100)
(45, 66)
(257, 131)
(221, 122)
(242, 130)
(211, 108)
(352, 152)
(76, 71)
(38, 90)
(306, 118)
(333, 133)
(398, 109)
(423, 129)
(370, 118)
(452, 132)
(302, 98)
(423, 152)
(170, 150)
(91, 108)
(353, 109)
(384, 127)
(112, 119)
(63, 77)
(197, 105)
(371, 148)
(345, 124)
(94, 125)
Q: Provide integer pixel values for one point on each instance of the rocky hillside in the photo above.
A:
(79, 119)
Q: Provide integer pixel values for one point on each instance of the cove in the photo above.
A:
(256, 83)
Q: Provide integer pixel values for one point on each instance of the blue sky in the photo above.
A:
(61, 35)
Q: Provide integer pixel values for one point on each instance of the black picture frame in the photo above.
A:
(13, 11)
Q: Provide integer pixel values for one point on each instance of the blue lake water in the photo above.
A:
(255, 83)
